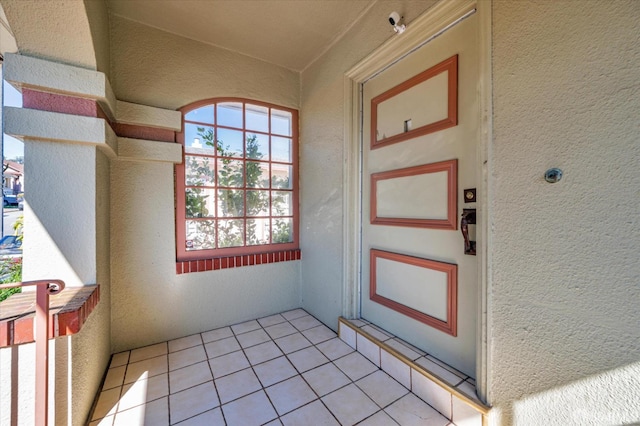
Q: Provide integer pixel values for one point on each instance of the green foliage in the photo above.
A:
(11, 272)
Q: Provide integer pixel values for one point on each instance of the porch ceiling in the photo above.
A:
(289, 33)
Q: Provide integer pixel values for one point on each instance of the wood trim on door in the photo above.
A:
(450, 326)
(450, 223)
(450, 65)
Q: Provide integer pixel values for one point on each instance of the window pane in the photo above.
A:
(257, 118)
(258, 146)
(258, 231)
(201, 235)
(230, 173)
(230, 114)
(281, 149)
(230, 233)
(257, 203)
(198, 139)
(230, 203)
(199, 202)
(231, 143)
(257, 174)
(280, 176)
(201, 115)
(282, 203)
(282, 230)
(199, 171)
(280, 122)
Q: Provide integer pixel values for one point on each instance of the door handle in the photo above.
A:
(467, 226)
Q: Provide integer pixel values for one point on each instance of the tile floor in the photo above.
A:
(285, 369)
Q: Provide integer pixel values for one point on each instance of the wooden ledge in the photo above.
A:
(68, 311)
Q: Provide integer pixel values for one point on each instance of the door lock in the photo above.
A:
(468, 228)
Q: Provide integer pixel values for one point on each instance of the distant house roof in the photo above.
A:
(13, 168)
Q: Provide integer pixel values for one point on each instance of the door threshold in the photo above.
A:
(446, 389)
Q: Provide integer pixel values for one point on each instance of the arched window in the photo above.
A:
(237, 188)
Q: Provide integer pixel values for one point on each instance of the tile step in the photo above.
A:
(446, 389)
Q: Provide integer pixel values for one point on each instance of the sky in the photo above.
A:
(12, 147)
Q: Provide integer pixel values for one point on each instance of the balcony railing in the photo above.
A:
(44, 288)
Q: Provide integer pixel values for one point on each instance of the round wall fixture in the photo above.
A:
(553, 175)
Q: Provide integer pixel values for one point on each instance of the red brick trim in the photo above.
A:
(64, 104)
(68, 312)
(227, 262)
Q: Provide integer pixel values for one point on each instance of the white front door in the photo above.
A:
(420, 132)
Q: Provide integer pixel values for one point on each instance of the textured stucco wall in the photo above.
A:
(565, 323)
(98, 17)
(153, 67)
(321, 157)
(56, 30)
(150, 303)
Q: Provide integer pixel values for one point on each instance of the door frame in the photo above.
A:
(427, 26)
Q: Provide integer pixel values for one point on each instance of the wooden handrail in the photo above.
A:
(44, 288)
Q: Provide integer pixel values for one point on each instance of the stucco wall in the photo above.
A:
(153, 67)
(98, 18)
(565, 335)
(321, 156)
(150, 302)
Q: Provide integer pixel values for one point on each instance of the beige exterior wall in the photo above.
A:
(565, 342)
(321, 157)
(150, 302)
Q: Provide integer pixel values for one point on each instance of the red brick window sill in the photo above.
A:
(68, 311)
(202, 265)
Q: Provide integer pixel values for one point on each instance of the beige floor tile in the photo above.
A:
(292, 343)
(319, 334)
(107, 403)
(412, 411)
(275, 422)
(155, 413)
(253, 338)
(464, 415)
(296, 313)
(187, 377)
(431, 393)
(355, 366)
(347, 335)
(376, 332)
(350, 405)
(115, 377)
(288, 395)
(369, 349)
(315, 414)
(217, 334)
(185, 342)
(245, 327)
(237, 385)
(222, 347)
(280, 330)
(468, 389)
(378, 419)
(251, 410)
(440, 371)
(193, 401)
(359, 323)
(186, 357)
(306, 359)
(304, 323)
(119, 359)
(380, 387)
(145, 369)
(208, 418)
(404, 350)
(395, 368)
(143, 391)
(148, 352)
(271, 320)
(229, 363)
(326, 378)
(262, 352)
(334, 348)
(274, 371)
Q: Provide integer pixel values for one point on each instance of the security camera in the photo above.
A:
(394, 20)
